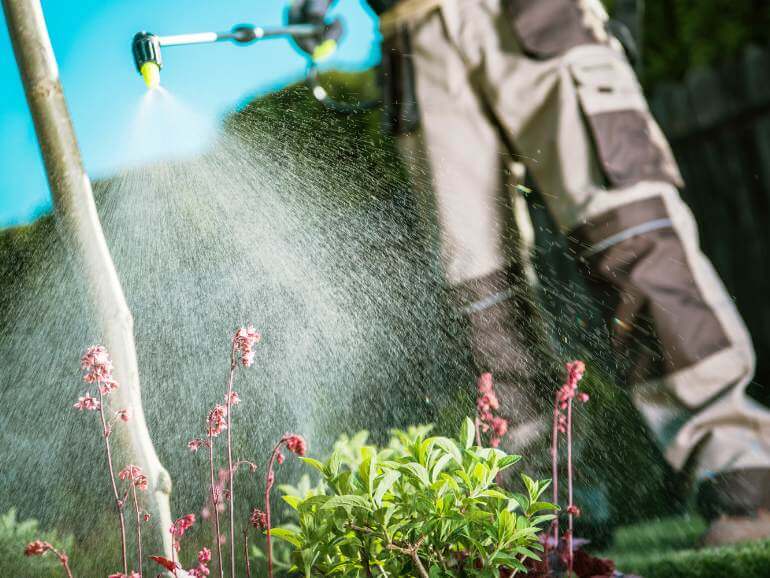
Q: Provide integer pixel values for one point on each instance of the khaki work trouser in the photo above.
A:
(540, 79)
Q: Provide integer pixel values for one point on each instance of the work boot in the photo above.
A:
(738, 505)
(505, 336)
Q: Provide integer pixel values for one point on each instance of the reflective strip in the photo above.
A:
(488, 302)
(627, 234)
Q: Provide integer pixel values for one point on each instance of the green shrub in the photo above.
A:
(424, 506)
(15, 535)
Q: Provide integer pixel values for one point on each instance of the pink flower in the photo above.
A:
(235, 399)
(217, 422)
(146, 517)
(486, 404)
(141, 482)
(123, 415)
(195, 444)
(258, 519)
(204, 556)
(97, 365)
(107, 386)
(201, 571)
(181, 525)
(485, 383)
(87, 402)
(244, 341)
(574, 510)
(279, 457)
(488, 401)
(499, 426)
(575, 371)
(130, 472)
(296, 443)
(37, 548)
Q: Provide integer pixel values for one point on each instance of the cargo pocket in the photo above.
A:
(629, 144)
(657, 313)
(548, 28)
(400, 112)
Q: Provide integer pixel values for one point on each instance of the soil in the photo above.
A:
(584, 566)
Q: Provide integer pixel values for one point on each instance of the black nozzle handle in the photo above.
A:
(146, 48)
(247, 33)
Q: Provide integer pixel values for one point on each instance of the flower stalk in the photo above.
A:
(562, 423)
(296, 444)
(97, 367)
(39, 548)
(231, 492)
(215, 504)
(119, 504)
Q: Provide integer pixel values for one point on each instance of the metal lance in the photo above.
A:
(81, 232)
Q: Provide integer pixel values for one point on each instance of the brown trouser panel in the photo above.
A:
(542, 78)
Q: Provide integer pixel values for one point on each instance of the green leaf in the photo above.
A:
(315, 463)
(385, 484)
(287, 535)
(347, 502)
(416, 472)
(506, 525)
(367, 471)
(526, 552)
(507, 461)
(537, 520)
(537, 506)
(450, 447)
(309, 503)
(520, 501)
(423, 451)
(496, 494)
(293, 501)
(468, 433)
(441, 463)
(333, 464)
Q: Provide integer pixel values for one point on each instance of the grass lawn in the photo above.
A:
(667, 548)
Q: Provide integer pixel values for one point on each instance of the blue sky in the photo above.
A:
(91, 39)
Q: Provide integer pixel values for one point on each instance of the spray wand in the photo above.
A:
(146, 47)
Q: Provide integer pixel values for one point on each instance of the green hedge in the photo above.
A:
(668, 548)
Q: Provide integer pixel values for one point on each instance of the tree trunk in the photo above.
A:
(80, 229)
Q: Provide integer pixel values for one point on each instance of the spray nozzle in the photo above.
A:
(146, 50)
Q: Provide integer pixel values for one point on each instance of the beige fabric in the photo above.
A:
(484, 101)
(405, 12)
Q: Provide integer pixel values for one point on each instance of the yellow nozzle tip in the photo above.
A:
(151, 73)
(324, 50)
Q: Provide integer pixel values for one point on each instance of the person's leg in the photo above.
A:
(458, 154)
(570, 103)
